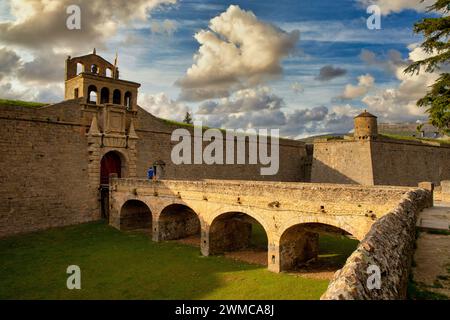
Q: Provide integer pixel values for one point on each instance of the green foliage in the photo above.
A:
(409, 138)
(419, 128)
(188, 118)
(176, 123)
(335, 249)
(436, 32)
(439, 232)
(19, 103)
(415, 292)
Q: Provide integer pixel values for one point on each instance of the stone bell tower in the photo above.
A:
(109, 108)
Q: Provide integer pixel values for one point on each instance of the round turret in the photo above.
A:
(366, 126)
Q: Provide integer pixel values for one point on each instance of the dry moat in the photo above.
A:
(129, 265)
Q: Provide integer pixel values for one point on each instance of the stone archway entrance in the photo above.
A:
(111, 163)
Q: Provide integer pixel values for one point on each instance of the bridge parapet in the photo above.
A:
(276, 196)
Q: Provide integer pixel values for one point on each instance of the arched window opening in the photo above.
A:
(128, 99)
(117, 96)
(104, 97)
(94, 69)
(109, 72)
(80, 68)
(92, 94)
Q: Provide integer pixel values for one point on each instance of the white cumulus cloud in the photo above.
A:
(394, 6)
(161, 105)
(238, 51)
(365, 83)
(399, 103)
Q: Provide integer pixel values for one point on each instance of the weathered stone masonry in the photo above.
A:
(371, 159)
(291, 213)
(389, 245)
(50, 162)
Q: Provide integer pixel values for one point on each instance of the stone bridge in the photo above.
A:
(222, 213)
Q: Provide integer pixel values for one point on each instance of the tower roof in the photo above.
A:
(365, 114)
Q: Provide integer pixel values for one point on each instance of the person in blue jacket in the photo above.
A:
(151, 173)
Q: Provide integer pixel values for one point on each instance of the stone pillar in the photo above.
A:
(204, 241)
(114, 212)
(111, 95)
(155, 227)
(430, 187)
(273, 257)
(132, 150)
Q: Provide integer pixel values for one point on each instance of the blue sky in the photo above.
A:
(320, 43)
(157, 52)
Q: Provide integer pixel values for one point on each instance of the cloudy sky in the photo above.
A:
(303, 66)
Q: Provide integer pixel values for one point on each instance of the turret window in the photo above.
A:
(94, 69)
(128, 99)
(92, 94)
(104, 97)
(116, 96)
(80, 68)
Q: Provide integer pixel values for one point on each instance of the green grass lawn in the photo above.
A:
(416, 139)
(19, 103)
(117, 265)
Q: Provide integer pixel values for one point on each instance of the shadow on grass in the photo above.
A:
(116, 265)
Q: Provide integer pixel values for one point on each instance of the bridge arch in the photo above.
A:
(255, 214)
(135, 215)
(232, 231)
(337, 222)
(177, 221)
(299, 244)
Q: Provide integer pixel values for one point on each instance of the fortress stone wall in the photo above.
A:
(368, 158)
(380, 162)
(406, 163)
(155, 144)
(43, 172)
(342, 161)
(50, 165)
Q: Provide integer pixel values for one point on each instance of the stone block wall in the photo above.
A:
(380, 162)
(50, 169)
(342, 161)
(43, 173)
(406, 163)
(389, 245)
(445, 191)
(155, 144)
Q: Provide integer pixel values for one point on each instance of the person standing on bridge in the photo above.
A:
(151, 173)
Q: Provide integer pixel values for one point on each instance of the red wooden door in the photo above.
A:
(110, 164)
